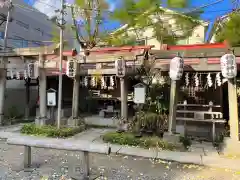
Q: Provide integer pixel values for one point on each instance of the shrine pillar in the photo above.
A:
(124, 98)
(172, 107)
(73, 121)
(176, 72)
(2, 89)
(41, 120)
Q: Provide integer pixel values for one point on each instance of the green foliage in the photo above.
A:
(92, 14)
(50, 131)
(149, 122)
(131, 140)
(230, 30)
(186, 141)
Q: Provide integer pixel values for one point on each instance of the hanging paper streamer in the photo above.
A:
(218, 79)
(93, 81)
(25, 74)
(103, 83)
(112, 81)
(11, 74)
(209, 80)
(86, 81)
(187, 79)
(18, 75)
(196, 80)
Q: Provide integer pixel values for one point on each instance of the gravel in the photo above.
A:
(54, 165)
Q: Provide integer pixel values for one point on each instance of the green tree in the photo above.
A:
(140, 15)
(229, 30)
(88, 18)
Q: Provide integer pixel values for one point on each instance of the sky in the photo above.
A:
(210, 14)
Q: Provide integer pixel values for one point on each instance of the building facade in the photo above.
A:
(28, 28)
(146, 36)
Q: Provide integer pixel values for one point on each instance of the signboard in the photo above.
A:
(139, 94)
(51, 97)
(71, 71)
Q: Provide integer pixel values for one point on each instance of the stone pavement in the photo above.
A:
(200, 154)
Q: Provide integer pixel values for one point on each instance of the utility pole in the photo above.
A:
(3, 63)
(61, 25)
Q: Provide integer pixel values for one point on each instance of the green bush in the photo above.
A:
(50, 131)
(131, 140)
(149, 121)
(186, 141)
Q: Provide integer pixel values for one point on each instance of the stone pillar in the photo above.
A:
(73, 121)
(27, 108)
(42, 93)
(232, 144)
(2, 93)
(172, 108)
(124, 99)
(233, 110)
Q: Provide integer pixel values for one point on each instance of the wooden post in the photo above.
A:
(185, 122)
(233, 110)
(86, 164)
(27, 156)
(42, 93)
(124, 100)
(27, 108)
(172, 108)
(76, 84)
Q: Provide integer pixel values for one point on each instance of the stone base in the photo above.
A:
(231, 147)
(173, 138)
(41, 121)
(74, 122)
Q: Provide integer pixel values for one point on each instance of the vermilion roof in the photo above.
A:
(199, 46)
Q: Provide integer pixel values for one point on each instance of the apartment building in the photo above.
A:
(29, 28)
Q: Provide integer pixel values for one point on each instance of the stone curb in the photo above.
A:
(181, 157)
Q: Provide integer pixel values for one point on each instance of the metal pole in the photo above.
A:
(3, 71)
(60, 67)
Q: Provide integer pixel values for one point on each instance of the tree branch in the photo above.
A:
(77, 34)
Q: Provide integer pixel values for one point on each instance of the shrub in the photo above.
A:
(149, 121)
(131, 140)
(50, 131)
(186, 141)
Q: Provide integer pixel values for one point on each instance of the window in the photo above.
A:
(37, 44)
(19, 42)
(39, 31)
(22, 24)
(141, 42)
(24, 43)
(1, 35)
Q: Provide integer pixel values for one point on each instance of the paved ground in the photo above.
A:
(52, 164)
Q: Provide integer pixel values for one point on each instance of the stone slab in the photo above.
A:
(182, 157)
(219, 162)
(115, 148)
(134, 151)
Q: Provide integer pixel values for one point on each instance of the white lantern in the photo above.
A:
(228, 66)
(32, 70)
(120, 66)
(176, 68)
(71, 71)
